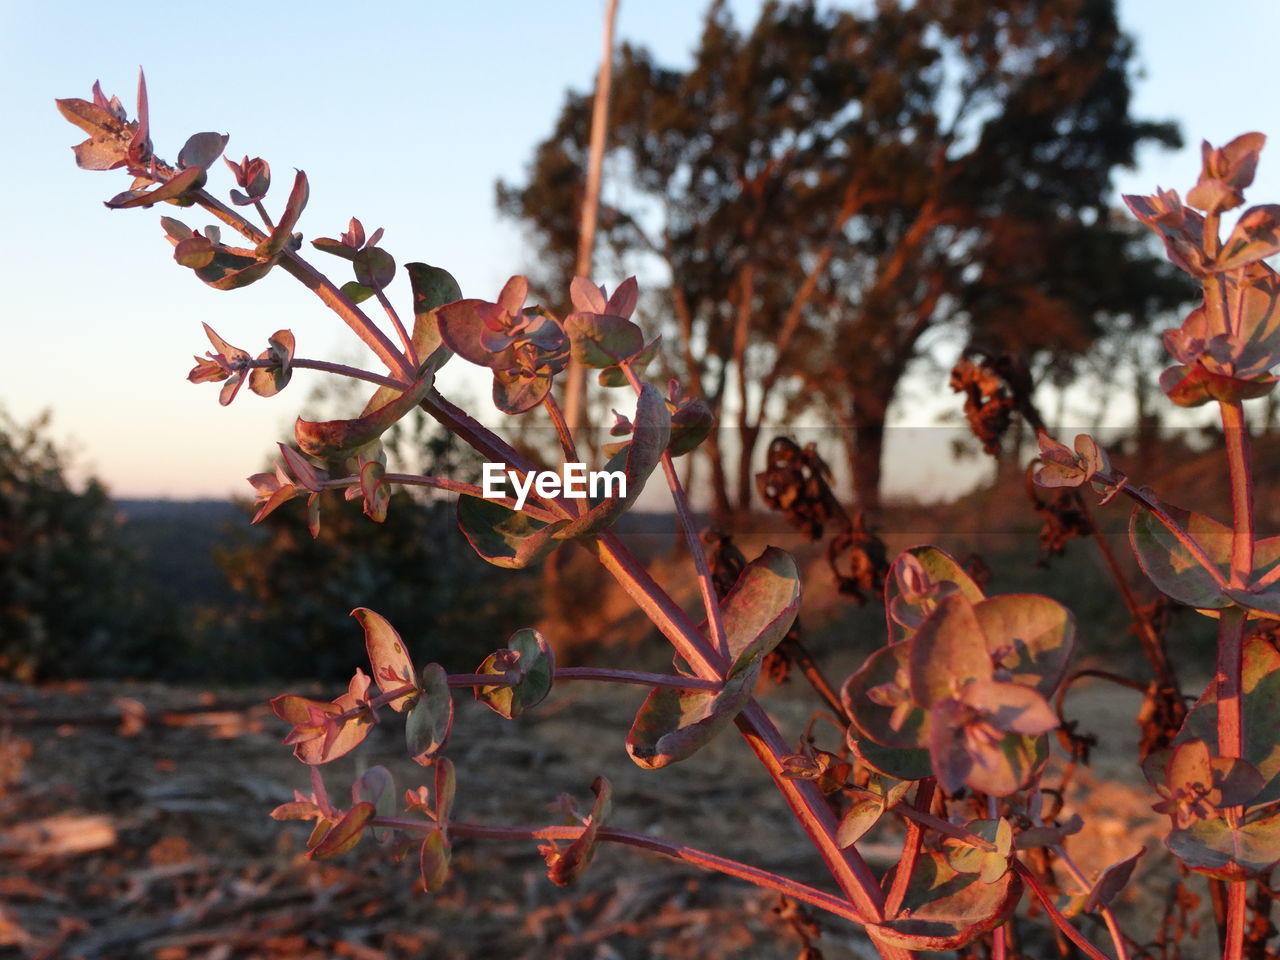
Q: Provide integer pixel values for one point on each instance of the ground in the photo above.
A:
(135, 825)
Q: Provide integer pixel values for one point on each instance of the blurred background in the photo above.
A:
(879, 231)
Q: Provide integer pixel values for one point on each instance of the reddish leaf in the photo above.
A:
(389, 661)
(565, 867)
(344, 834)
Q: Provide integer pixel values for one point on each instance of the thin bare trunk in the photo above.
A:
(575, 412)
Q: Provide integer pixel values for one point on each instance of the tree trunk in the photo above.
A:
(721, 508)
(868, 410)
(748, 436)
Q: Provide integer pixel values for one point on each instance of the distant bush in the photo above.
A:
(67, 603)
(295, 592)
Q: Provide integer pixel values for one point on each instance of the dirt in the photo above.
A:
(130, 829)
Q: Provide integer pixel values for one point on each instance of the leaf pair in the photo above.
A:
(525, 348)
(1197, 784)
(673, 723)
(963, 696)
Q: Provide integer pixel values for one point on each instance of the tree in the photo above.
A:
(292, 618)
(831, 186)
(66, 599)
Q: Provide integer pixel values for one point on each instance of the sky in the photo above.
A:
(403, 114)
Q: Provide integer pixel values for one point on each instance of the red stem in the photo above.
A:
(593, 673)
(706, 585)
(321, 286)
(910, 848)
(803, 797)
(1059, 921)
(1231, 732)
(676, 851)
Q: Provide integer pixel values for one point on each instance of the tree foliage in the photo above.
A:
(66, 597)
(826, 188)
(296, 592)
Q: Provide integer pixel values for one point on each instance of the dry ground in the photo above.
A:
(148, 836)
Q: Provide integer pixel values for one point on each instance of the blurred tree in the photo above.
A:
(826, 189)
(296, 593)
(67, 604)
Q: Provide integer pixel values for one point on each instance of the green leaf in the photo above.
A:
(947, 651)
(343, 439)
(691, 423)
(600, 340)
(231, 271)
(374, 267)
(357, 293)
(565, 867)
(614, 377)
(433, 287)
(862, 815)
(268, 381)
(506, 537)
(901, 763)
(1216, 848)
(190, 179)
(1112, 881)
(1256, 235)
(515, 392)
(760, 608)
(1260, 683)
(430, 717)
(297, 711)
(944, 909)
(649, 438)
(282, 233)
(534, 671)
(377, 786)
(1176, 572)
(335, 247)
(202, 149)
(989, 865)
(940, 574)
(889, 721)
(1029, 636)
(672, 724)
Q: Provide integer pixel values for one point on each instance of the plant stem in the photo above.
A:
(567, 446)
(321, 286)
(1151, 643)
(910, 848)
(676, 851)
(806, 801)
(1236, 433)
(355, 373)
(706, 585)
(1231, 621)
(1059, 921)
(1108, 915)
(405, 340)
(594, 673)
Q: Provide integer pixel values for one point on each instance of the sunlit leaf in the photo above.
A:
(505, 537)
(534, 674)
(389, 662)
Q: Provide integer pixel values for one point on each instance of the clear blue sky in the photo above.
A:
(403, 114)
